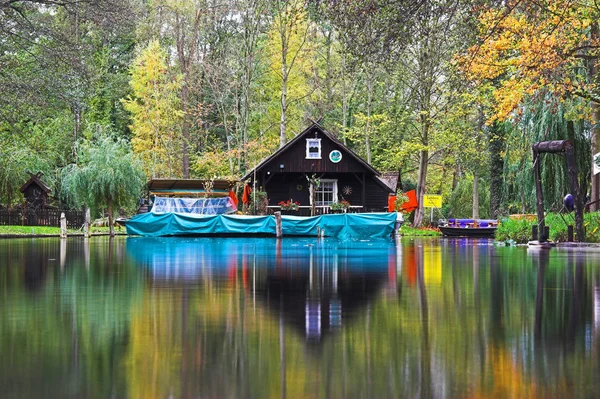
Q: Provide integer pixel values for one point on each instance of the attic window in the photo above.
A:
(313, 148)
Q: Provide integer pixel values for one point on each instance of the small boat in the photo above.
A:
(468, 227)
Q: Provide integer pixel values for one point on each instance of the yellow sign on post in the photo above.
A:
(432, 201)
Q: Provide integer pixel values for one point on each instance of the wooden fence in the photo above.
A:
(43, 217)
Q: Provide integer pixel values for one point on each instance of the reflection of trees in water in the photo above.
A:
(470, 321)
(68, 336)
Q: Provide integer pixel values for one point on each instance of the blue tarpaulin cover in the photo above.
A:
(199, 206)
(345, 225)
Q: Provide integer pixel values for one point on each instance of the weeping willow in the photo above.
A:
(107, 176)
(543, 120)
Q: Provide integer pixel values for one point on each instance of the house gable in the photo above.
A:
(292, 157)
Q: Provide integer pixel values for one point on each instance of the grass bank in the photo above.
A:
(519, 231)
(408, 231)
(45, 230)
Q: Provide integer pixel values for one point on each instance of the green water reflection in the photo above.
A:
(297, 318)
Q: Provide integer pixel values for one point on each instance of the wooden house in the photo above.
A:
(317, 153)
(36, 193)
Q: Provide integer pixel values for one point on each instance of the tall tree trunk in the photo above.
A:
(284, 82)
(368, 124)
(423, 163)
(592, 72)
(496, 145)
(345, 106)
(475, 195)
(595, 191)
(111, 222)
(283, 120)
(185, 129)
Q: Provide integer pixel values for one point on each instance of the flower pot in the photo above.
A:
(289, 212)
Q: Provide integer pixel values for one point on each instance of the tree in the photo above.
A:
(422, 38)
(156, 113)
(289, 38)
(530, 47)
(107, 175)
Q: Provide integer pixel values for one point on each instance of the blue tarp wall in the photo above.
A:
(357, 225)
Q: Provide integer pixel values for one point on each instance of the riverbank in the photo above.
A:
(408, 231)
(45, 231)
(519, 231)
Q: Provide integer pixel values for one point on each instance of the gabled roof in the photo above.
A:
(35, 178)
(304, 133)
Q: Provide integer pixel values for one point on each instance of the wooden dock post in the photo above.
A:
(86, 224)
(63, 225)
(278, 229)
(570, 235)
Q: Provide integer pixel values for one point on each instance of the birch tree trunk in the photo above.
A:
(423, 163)
(111, 222)
(592, 72)
(475, 195)
(368, 124)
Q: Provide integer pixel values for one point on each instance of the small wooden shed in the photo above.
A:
(36, 192)
(342, 174)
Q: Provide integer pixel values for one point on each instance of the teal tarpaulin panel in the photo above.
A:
(300, 225)
(242, 224)
(369, 225)
(172, 224)
(345, 225)
(359, 225)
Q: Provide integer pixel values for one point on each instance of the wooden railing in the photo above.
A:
(324, 210)
(41, 217)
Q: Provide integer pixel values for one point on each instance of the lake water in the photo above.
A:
(296, 318)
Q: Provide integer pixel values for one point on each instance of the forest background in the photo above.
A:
(451, 94)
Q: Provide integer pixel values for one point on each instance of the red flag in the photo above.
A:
(412, 203)
(246, 195)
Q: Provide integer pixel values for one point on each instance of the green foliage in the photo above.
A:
(259, 202)
(107, 174)
(544, 118)
(460, 204)
(408, 231)
(520, 230)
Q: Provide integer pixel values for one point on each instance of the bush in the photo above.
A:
(520, 230)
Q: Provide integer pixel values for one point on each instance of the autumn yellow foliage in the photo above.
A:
(528, 47)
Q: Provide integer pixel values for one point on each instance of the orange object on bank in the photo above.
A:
(412, 203)
(392, 203)
(246, 195)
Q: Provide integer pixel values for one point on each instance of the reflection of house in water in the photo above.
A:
(313, 285)
(317, 300)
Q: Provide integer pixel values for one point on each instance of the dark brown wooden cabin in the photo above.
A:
(343, 174)
(36, 193)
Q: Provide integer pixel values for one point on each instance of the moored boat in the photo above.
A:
(468, 227)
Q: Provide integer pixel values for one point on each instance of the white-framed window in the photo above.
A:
(313, 148)
(327, 192)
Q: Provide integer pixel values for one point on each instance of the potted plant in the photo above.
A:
(339, 207)
(289, 207)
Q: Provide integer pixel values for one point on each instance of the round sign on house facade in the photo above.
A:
(335, 156)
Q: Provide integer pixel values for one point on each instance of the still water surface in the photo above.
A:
(296, 318)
